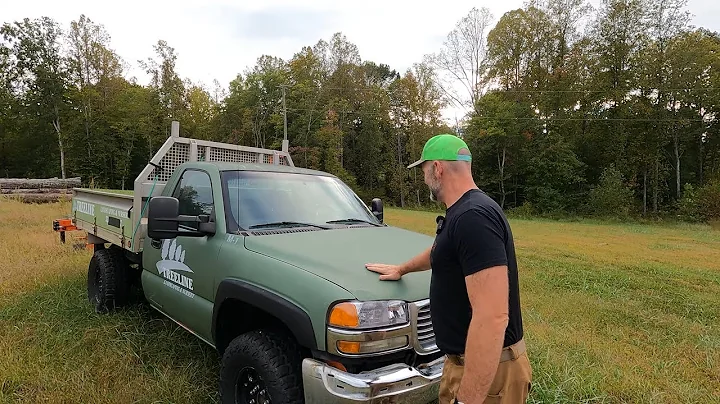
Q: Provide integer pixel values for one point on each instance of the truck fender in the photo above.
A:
(296, 319)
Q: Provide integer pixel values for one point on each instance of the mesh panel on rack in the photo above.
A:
(178, 154)
(232, 156)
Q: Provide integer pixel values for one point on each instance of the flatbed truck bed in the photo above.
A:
(119, 217)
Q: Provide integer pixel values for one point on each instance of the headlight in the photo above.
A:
(368, 328)
(365, 315)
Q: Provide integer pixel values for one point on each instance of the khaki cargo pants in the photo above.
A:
(510, 386)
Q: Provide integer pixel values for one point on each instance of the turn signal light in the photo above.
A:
(344, 315)
(337, 365)
(352, 347)
(348, 347)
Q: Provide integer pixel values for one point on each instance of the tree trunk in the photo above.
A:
(501, 167)
(256, 128)
(56, 124)
(701, 157)
(87, 131)
(400, 164)
(677, 163)
(128, 162)
(62, 156)
(645, 191)
(656, 185)
(307, 136)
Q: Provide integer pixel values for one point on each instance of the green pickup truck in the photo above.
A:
(265, 261)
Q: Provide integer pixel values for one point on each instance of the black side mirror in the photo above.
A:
(377, 208)
(163, 214)
(164, 219)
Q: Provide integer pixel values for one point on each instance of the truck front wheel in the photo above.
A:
(261, 367)
(108, 282)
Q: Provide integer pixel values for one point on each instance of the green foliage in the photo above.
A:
(524, 211)
(688, 207)
(708, 200)
(498, 135)
(554, 175)
(611, 197)
(551, 105)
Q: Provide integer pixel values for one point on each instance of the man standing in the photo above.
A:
(474, 293)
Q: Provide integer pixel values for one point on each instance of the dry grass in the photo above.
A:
(613, 313)
(30, 254)
(54, 348)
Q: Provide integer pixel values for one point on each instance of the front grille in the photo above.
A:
(423, 333)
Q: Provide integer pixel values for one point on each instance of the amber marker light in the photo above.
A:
(344, 315)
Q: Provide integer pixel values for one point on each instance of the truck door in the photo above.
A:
(180, 270)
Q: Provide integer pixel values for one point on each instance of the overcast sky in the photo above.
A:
(217, 39)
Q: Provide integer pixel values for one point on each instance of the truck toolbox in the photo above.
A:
(105, 214)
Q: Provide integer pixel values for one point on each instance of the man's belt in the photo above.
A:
(508, 353)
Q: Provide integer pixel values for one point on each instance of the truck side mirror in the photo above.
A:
(163, 214)
(377, 208)
(206, 224)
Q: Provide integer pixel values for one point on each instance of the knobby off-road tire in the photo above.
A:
(263, 366)
(109, 280)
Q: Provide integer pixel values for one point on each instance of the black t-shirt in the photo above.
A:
(474, 235)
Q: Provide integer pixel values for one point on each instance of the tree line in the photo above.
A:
(571, 110)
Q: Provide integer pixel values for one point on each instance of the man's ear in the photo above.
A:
(437, 168)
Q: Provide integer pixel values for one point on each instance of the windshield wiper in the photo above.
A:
(285, 223)
(352, 220)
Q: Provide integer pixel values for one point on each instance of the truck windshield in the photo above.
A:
(268, 199)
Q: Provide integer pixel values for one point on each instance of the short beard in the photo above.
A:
(434, 187)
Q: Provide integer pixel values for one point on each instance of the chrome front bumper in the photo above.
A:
(397, 383)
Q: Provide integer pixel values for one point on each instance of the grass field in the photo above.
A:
(613, 313)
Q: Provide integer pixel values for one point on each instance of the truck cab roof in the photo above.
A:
(223, 166)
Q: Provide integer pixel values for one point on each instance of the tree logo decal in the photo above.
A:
(173, 259)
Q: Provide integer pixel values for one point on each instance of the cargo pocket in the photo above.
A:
(494, 398)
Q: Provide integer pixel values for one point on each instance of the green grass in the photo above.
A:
(616, 313)
(613, 314)
(54, 348)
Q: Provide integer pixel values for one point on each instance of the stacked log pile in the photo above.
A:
(38, 190)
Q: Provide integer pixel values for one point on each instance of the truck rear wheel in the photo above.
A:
(109, 281)
(261, 367)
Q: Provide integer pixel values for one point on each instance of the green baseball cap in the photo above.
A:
(443, 147)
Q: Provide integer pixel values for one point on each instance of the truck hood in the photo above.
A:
(340, 255)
